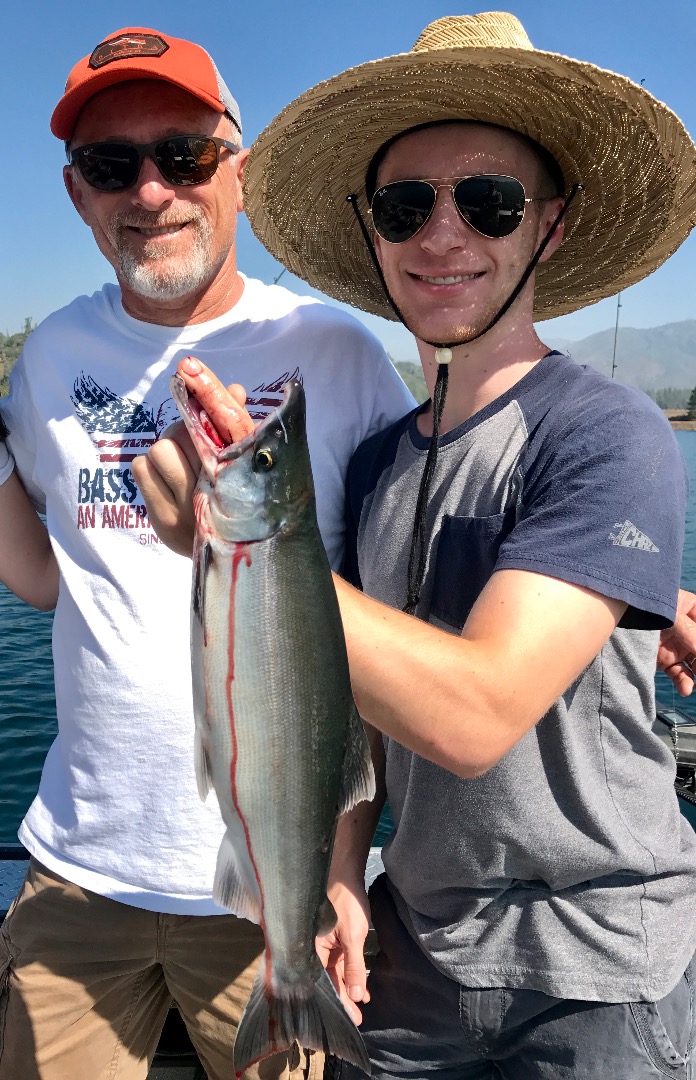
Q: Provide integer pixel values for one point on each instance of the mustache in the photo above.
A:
(128, 219)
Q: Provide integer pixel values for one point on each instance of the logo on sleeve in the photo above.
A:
(629, 536)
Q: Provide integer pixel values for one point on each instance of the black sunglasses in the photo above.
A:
(493, 205)
(185, 160)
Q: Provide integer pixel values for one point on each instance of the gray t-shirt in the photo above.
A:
(567, 868)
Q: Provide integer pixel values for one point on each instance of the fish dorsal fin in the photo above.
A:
(235, 886)
(358, 774)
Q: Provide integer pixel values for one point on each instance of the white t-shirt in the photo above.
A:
(117, 810)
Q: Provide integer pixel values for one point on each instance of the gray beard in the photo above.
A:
(146, 278)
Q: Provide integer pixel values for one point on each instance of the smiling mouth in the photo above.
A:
(451, 279)
(162, 230)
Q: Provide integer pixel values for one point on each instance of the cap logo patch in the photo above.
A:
(127, 47)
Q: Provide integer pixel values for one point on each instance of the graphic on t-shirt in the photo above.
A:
(268, 396)
(631, 537)
(121, 429)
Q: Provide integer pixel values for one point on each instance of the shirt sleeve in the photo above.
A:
(19, 415)
(6, 459)
(603, 506)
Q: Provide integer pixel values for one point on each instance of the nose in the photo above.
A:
(445, 229)
(151, 191)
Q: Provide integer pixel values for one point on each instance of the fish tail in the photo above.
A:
(318, 1022)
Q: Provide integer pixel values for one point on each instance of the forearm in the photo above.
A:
(463, 702)
(356, 829)
(27, 564)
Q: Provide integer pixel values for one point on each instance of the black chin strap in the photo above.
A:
(443, 355)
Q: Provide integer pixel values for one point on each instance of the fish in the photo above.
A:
(277, 733)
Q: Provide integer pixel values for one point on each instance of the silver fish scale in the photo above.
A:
(291, 709)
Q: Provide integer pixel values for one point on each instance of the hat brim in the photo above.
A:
(68, 109)
(633, 156)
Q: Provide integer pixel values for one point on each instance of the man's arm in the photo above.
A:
(27, 564)
(463, 702)
(167, 476)
(676, 656)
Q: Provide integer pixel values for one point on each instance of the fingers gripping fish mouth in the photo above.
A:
(260, 482)
(208, 440)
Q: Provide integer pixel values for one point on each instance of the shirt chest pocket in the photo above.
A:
(467, 552)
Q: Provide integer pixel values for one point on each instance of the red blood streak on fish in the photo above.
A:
(240, 554)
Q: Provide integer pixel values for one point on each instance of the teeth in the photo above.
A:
(161, 231)
(454, 279)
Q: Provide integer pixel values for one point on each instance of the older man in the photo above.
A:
(116, 917)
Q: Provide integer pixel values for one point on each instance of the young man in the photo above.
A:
(537, 917)
(117, 916)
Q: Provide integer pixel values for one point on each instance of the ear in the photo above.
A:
(550, 212)
(74, 190)
(240, 161)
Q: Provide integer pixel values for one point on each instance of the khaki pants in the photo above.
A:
(86, 983)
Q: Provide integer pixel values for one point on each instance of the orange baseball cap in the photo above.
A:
(139, 53)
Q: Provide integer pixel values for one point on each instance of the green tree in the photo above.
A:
(11, 346)
(691, 407)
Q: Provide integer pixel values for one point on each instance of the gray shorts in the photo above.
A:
(419, 1024)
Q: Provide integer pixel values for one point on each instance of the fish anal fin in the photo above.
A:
(358, 773)
(316, 1020)
(235, 886)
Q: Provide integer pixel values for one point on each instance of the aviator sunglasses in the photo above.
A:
(493, 205)
(184, 160)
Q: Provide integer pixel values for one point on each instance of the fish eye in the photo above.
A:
(264, 459)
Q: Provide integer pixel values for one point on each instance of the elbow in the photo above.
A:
(470, 769)
(465, 761)
(44, 603)
(470, 758)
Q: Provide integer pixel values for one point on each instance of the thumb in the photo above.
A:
(355, 973)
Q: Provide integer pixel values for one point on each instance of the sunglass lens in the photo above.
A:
(187, 160)
(108, 166)
(493, 205)
(399, 210)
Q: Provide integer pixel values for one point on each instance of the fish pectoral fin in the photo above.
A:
(235, 886)
(326, 918)
(316, 1019)
(358, 773)
(201, 761)
(202, 558)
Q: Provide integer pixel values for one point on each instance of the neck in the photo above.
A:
(481, 371)
(213, 299)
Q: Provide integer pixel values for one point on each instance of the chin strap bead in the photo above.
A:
(443, 356)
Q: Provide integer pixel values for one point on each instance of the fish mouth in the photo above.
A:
(212, 448)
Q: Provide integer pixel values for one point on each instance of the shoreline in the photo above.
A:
(677, 419)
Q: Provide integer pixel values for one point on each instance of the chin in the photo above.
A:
(153, 282)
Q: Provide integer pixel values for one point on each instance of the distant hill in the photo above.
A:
(412, 374)
(664, 356)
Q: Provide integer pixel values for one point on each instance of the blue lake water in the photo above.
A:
(27, 707)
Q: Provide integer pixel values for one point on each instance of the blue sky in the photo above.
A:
(269, 51)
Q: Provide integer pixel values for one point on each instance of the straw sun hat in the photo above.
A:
(630, 152)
